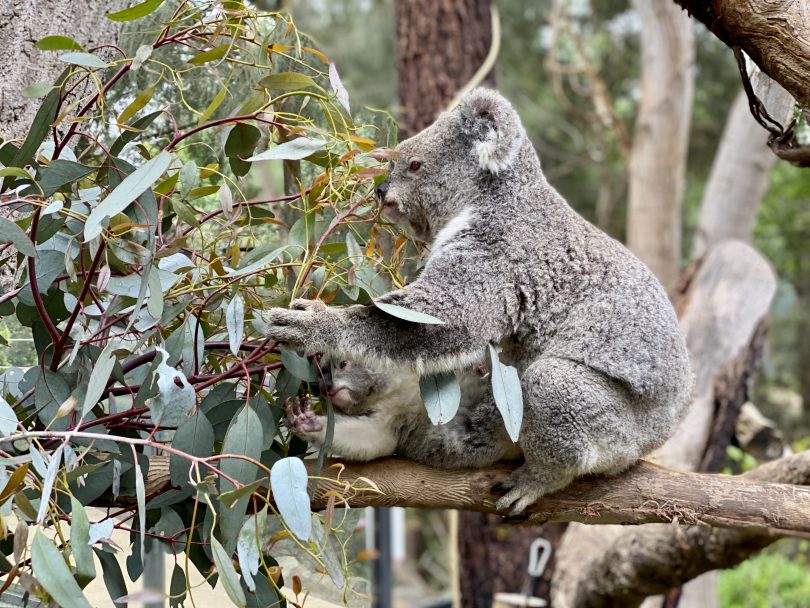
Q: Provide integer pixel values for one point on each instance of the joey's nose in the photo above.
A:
(381, 190)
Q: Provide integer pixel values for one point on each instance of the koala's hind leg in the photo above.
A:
(575, 421)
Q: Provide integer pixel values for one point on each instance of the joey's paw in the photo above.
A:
(525, 486)
(301, 419)
(313, 306)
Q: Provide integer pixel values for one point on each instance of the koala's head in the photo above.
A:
(438, 171)
(352, 385)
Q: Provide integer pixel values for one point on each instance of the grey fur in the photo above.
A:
(379, 412)
(603, 363)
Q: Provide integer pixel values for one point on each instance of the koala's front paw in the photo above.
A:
(305, 423)
(298, 325)
(526, 485)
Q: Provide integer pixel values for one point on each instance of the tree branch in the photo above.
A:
(775, 34)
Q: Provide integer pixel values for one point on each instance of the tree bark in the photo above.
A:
(775, 34)
(23, 22)
(739, 176)
(440, 44)
(658, 158)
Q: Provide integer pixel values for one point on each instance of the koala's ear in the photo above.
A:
(492, 124)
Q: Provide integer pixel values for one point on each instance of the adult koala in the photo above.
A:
(603, 364)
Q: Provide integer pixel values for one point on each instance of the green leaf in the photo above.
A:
(288, 480)
(218, 52)
(235, 323)
(441, 394)
(133, 185)
(295, 149)
(59, 173)
(188, 179)
(143, 98)
(79, 543)
(58, 43)
(12, 233)
(406, 314)
(195, 436)
(508, 394)
(227, 574)
(261, 263)
(54, 575)
(244, 437)
(177, 587)
(113, 577)
(15, 172)
(299, 366)
(212, 107)
(38, 89)
(286, 81)
(99, 376)
(135, 12)
(241, 143)
(86, 60)
(231, 496)
(41, 124)
(132, 131)
(248, 547)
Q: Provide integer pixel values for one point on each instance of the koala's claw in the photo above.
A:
(315, 306)
(524, 487)
(301, 419)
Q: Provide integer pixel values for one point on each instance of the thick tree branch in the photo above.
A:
(646, 493)
(775, 34)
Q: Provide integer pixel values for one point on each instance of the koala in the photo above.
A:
(379, 412)
(602, 362)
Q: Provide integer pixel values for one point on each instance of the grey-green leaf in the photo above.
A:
(59, 173)
(113, 577)
(298, 366)
(54, 575)
(195, 436)
(508, 394)
(295, 149)
(406, 314)
(79, 543)
(227, 574)
(441, 394)
(133, 185)
(235, 322)
(8, 419)
(288, 480)
(86, 60)
(248, 547)
(12, 233)
(99, 377)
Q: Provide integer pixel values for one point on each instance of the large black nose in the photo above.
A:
(381, 190)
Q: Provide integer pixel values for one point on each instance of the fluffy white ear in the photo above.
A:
(494, 128)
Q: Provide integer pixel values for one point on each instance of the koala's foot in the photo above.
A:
(526, 485)
(304, 422)
(298, 324)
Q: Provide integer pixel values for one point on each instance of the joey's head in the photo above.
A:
(353, 385)
(442, 169)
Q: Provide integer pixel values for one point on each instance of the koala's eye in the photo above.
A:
(343, 364)
(415, 165)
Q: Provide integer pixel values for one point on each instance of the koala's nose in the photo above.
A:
(382, 189)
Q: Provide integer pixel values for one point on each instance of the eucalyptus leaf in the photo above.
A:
(227, 574)
(47, 482)
(299, 366)
(407, 314)
(286, 81)
(441, 394)
(135, 12)
(288, 480)
(54, 575)
(80, 543)
(12, 233)
(235, 323)
(248, 547)
(113, 577)
(102, 370)
(133, 185)
(195, 436)
(176, 397)
(57, 43)
(258, 264)
(60, 172)
(86, 60)
(8, 419)
(508, 394)
(295, 149)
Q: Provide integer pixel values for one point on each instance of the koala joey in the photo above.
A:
(379, 412)
(602, 362)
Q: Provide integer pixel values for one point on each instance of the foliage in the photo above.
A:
(769, 579)
(143, 258)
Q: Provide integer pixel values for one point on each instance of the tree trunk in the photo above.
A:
(658, 158)
(23, 22)
(775, 34)
(739, 176)
(440, 44)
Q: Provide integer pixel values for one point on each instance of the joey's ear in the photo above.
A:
(492, 124)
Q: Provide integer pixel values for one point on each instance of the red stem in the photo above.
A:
(32, 278)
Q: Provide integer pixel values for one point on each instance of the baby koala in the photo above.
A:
(379, 412)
